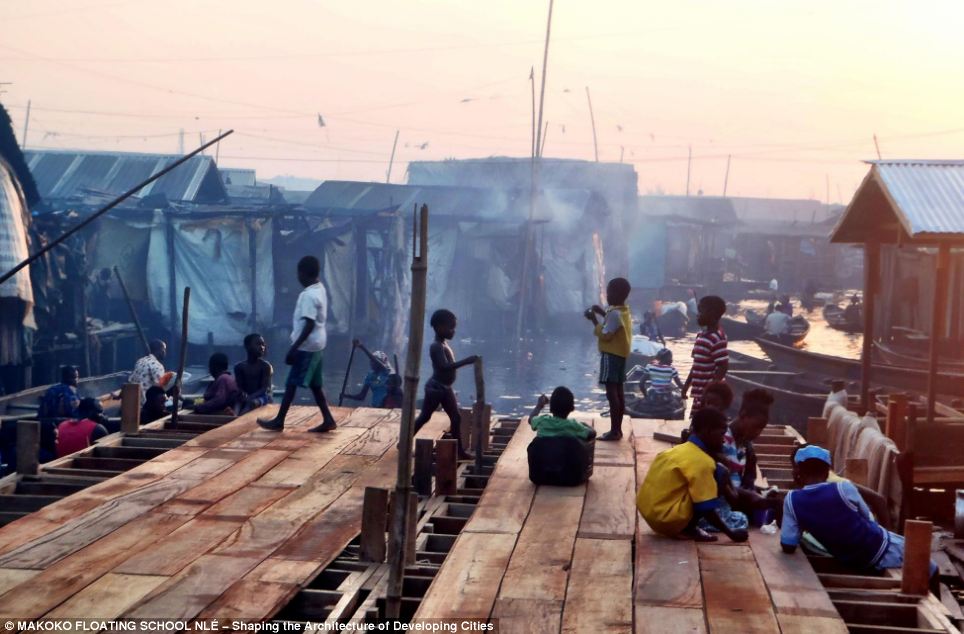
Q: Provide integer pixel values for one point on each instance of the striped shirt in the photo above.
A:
(661, 376)
(709, 352)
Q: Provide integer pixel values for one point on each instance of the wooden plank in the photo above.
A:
(250, 599)
(446, 467)
(68, 576)
(798, 624)
(794, 586)
(612, 453)
(302, 464)
(380, 437)
(285, 571)
(600, 593)
(508, 494)
(247, 502)
(374, 518)
(525, 616)
(247, 470)
(468, 582)
(176, 551)
(652, 618)
(667, 571)
(107, 597)
(610, 511)
(10, 577)
(917, 550)
(539, 567)
(735, 593)
(859, 581)
(187, 594)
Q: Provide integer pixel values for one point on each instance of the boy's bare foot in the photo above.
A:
(697, 534)
(272, 424)
(328, 425)
(611, 436)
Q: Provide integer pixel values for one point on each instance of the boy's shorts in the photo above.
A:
(612, 368)
(306, 370)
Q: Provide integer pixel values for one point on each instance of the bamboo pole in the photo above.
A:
(403, 484)
(478, 413)
(183, 359)
(937, 325)
(871, 281)
(130, 307)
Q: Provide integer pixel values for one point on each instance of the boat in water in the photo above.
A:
(795, 396)
(799, 328)
(840, 319)
(641, 402)
(895, 355)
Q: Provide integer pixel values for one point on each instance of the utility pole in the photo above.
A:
(180, 141)
(217, 154)
(532, 83)
(26, 127)
(726, 179)
(592, 119)
(689, 162)
(391, 159)
(877, 146)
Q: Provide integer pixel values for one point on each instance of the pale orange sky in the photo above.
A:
(794, 90)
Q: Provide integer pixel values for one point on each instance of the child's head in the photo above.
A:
(443, 322)
(562, 402)
(811, 464)
(255, 346)
(379, 361)
(617, 291)
(709, 425)
(710, 309)
(754, 415)
(309, 268)
(155, 400)
(718, 395)
(665, 356)
(89, 408)
(218, 364)
(69, 375)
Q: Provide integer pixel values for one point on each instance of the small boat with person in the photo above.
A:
(849, 319)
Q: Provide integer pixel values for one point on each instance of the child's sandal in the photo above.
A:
(610, 436)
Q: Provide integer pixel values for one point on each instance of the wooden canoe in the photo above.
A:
(794, 400)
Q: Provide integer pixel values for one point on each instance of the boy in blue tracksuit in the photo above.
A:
(837, 516)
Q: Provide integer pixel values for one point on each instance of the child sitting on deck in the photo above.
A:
(836, 515)
(155, 405)
(254, 375)
(80, 433)
(680, 487)
(559, 455)
(222, 395)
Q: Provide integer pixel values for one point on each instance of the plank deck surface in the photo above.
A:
(580, 559)
(231, 524)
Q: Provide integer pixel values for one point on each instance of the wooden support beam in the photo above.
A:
(917, 556)
(446, 465)
(871, 283)
(857, 470)
(28, 447)
(895, 426)
(481, 427)
(374, 518)
(412, 530)
(938, 320)
(817, 432)
(423, 466)
(130, 408)
(466, 429)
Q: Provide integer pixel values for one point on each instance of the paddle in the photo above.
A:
(180, 368)
(344, 384)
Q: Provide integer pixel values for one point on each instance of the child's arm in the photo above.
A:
(371, 357)
(790, 530)
(542, 402)
(267, 374)
(679, 383)
(306, 329)
(439, 362)
(610, 327)
(361, 395)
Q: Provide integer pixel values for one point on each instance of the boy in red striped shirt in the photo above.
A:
(710, 357)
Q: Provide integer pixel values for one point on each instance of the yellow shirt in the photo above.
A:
(679, 480)
(622, 342)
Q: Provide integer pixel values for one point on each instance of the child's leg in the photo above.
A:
(278, 422)
(328, 421)
(615, 396)
(451, 406)
(429, 404)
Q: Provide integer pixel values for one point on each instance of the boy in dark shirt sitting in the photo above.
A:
(438, 389)
(222, 395)
(254, 374)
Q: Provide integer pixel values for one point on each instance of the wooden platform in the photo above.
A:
(547, 559)
(231, 524)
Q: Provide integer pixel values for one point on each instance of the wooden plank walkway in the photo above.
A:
(548, 559)
(231, 524)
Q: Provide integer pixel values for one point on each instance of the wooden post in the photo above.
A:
(468, 426)
(895, 426)
(28, 447)
(817, 432)
(185, 305)
(485, 428)
(374, 516)
(131, 408)
(937, 325)
(446, 465)
(871, 281)
(857, 471)
(410, 511)
(423, 466)
(917, 556)
(403, 481)
(478, 412)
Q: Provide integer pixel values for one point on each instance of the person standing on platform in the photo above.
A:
(615, 335)
(710, 357)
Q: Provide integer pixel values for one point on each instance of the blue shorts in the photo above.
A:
(612, 369)
(306, 370)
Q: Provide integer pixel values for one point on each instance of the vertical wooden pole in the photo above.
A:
(130, 307)
(411, 520)
(817, 432)
(895, 426)
(374, 517)
(937, 325)
(423, 466)
(468, 426)
(478, 413)
(28, 447)
(403, 482)
(871, 281)
(446, 466)
(131, 408)
(179, 381)
(917, 556)
(857, 471)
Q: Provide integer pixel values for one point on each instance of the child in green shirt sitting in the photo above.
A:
(557, 423)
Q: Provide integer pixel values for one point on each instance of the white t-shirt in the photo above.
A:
(612, 323)
(312, 304)
(777, 323)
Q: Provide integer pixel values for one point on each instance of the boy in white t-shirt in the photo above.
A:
(308, 339)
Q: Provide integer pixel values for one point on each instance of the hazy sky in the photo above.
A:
(794, 90)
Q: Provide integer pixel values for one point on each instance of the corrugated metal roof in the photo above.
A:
(929, 195)
(69, 175)
(700, 209)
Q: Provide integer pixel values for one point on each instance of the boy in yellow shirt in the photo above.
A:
(680, 487)
(615, 335)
